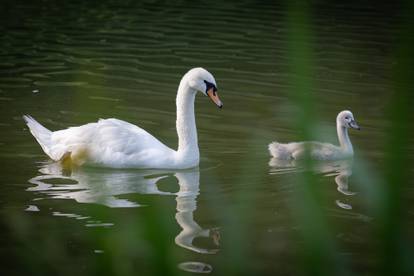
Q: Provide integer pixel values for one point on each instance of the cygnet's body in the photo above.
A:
(119, 144)
(317, 150)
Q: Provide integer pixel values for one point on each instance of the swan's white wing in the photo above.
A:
(111, 142)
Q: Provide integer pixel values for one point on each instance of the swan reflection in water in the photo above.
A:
(89, 185)
(341, 169)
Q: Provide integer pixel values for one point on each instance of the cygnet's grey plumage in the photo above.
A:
(317, 150)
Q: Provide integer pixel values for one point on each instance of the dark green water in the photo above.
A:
(239, 213)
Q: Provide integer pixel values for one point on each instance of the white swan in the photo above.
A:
(320, 151)
(119, 144)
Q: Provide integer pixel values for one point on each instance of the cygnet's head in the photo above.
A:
(203, 81)
(346, 119)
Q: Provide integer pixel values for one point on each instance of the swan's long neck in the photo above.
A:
(343, 137)
(186, 125)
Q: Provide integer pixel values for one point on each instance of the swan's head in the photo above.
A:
(203, 81)
(346, 119)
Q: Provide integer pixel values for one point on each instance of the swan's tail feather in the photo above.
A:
(280, 151)
(42, 134)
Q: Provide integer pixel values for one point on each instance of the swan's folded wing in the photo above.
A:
(121, 136)
(121, 142)
(110, 142)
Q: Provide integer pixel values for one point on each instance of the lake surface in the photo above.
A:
(240, 212)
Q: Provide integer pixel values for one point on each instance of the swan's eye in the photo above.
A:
(209, 85)
(346, 118)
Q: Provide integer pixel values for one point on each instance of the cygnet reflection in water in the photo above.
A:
(104, 186)
(341, 169)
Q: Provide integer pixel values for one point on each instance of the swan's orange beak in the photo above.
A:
(214, 97)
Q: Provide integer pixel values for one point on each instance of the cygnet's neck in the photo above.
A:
(186, 126)
(344, 141)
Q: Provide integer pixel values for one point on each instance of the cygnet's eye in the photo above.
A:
(347, 118)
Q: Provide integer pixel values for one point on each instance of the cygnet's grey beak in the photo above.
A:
(354, 125)
(214, 97)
